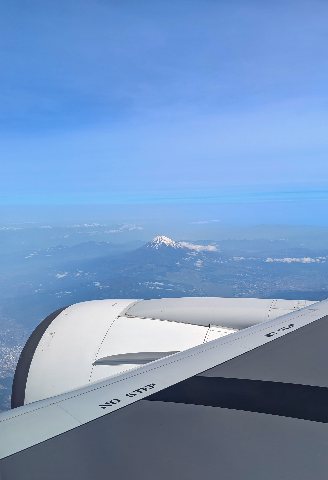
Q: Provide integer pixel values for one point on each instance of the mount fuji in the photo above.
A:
(161, 241)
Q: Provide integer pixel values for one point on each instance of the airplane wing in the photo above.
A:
(252, 405)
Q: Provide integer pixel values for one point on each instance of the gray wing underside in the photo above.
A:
(261, 415)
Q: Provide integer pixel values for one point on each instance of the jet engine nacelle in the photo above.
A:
(91, 341)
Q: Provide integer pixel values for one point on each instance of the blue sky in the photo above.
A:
(107, 102)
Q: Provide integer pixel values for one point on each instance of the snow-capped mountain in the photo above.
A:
(161, 241)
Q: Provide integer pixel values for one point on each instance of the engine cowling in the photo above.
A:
(90, 341)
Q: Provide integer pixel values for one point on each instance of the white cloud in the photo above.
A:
(125, 228)
(199, 248)
(296, 260)
(10, 228)
(87, 225)
(31, 255)
(205, 222)
(61, 275)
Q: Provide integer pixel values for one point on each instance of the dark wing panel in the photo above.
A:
(170, 441)
(260, 416)
(300, 357)
(275, 398)
(287, 377)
